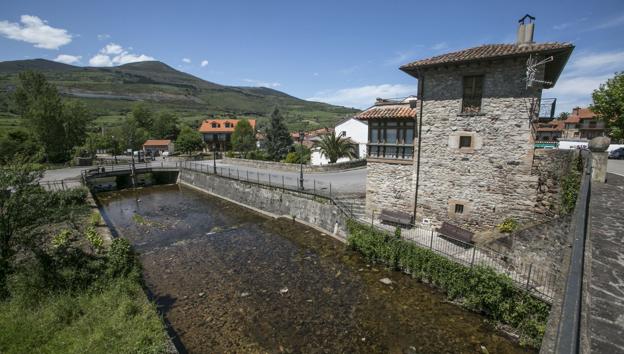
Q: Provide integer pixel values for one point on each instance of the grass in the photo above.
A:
(115, 319)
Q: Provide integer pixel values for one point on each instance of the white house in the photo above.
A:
(351, 128)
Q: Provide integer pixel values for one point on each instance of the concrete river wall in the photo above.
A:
(315, 211)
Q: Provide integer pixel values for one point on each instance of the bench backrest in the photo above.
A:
(455, 232)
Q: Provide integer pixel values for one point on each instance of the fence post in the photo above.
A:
(258, 176)
(314, 187)
(247, 175)
(283, 184)
(529, 277)
(62, 185)
(330, 191)
(431, 241)
(269, 179)
(237, 174)
(474, 250)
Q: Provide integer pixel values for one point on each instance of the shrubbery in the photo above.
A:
(508, 225)
(479, 288)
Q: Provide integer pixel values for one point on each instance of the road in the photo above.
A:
(616, 166)
(351, 181)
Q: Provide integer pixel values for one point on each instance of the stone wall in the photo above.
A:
(291, 167)
(550, 166)
(390, 186)
(314, 211)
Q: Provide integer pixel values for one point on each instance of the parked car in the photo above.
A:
(617, 154)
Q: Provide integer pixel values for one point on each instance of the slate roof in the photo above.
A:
(384, 109)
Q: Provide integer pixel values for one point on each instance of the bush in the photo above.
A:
(72, 196)
(122, 260)
(508, 225)
(95, 239)
(95, 219)
(480, 289)
(257, 155)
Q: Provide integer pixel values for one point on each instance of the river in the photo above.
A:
(230, 280)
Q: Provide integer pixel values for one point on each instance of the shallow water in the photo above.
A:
(230, 280)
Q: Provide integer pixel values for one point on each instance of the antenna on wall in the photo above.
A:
(532, 66)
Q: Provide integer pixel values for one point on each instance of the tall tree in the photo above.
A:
(57, 126)
(609, 105)
(132, 135)
(165, 126)
(279, 140)
(243, 137)
(19, 143)
(189, 140)
(334, 147)
(143, 115)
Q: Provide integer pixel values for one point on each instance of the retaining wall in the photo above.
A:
(291, 167)
(311, 210)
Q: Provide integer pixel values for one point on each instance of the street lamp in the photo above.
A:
(214, 158)
(301, 133)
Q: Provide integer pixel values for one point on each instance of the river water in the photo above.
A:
(230, 280)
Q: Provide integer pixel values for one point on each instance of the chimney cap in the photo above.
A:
(531, 19)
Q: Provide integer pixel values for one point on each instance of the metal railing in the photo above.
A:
(60, 185)
(568, 331)
(539, 282)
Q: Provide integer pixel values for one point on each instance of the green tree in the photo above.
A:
(143, 115)
(243, 137)
(189, 140)
(56, 125)
(609, 105)
(131, 134)
(302, 154)
(279, 141)
(19, 143)
(563, 115)
(165, 126)
(334, 147)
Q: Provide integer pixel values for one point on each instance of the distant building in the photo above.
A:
(357, 131)
(549, 131)
(218, 132)
(582, 123)
(154, 147)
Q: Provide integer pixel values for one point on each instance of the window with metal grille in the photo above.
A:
(465, 141)
(392, 139)
(459, 208)
(472, 94)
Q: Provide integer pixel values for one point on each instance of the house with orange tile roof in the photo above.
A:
(463, 152)
(218, 132)
(155, 147)
(582, 123)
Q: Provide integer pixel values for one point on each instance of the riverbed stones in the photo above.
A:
(386, 281)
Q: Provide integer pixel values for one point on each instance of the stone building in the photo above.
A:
(582, 123)
(473, 162)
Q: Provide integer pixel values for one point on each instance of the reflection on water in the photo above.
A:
(230, 280)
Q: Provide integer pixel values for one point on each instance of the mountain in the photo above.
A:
(111, 92)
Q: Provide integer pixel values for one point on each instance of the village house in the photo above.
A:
(582, 123)
(473, 162)
(217, 133)
(154, 147)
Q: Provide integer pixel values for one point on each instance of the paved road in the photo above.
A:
(616, 166)
(347, 182)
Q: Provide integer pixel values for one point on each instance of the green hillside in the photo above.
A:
(111, 92)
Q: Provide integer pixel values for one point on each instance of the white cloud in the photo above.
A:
(613, 22)
(100, 60)
(68, 59)
(186, 60)
(112, 48)
(262, 83)
(114, 54)
(439, 46)
(103, 36)
(204, 63)
(363, 96)
(585, 73)
(34, 30)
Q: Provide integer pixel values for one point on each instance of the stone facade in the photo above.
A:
(550, 166)
(494, 177)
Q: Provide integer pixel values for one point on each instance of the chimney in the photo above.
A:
(526, 29)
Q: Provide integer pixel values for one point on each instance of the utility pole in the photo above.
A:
(214, 158)
(301, 134)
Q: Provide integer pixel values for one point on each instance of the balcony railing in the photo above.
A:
(390, 151)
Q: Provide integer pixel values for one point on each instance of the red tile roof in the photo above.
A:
(578, 114)
(388, 109)
(553, 126)
(488, 51)
(154, 142)
(207, 125)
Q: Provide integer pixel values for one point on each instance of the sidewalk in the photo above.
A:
(605, 320)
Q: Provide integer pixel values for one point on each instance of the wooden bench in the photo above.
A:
(395, 217)
(455, 233)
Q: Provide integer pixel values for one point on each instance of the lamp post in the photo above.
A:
(214, 158)
(301, 133)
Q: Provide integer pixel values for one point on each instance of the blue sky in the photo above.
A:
(341, 52)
